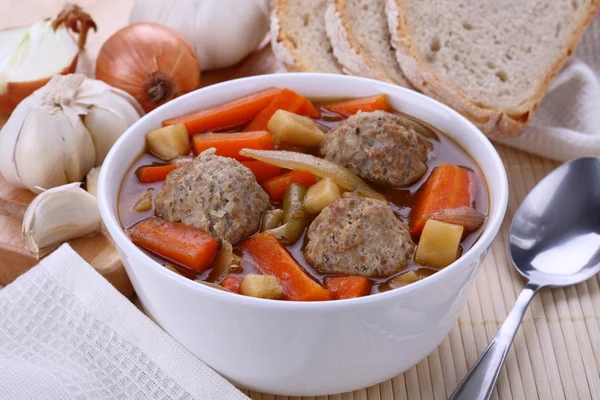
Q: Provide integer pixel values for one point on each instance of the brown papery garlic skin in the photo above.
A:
(152, 63)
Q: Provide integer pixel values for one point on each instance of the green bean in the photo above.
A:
(295, 216)
(271, 219)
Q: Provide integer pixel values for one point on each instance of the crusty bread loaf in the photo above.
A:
(359, 35)
(298, 37)
(490, 60)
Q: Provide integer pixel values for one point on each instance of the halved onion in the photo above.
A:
(31, 55)
(343, 177)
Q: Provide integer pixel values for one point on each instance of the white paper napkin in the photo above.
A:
(66, 333)
(567, 123)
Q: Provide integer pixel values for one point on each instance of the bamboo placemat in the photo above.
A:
(556, 353)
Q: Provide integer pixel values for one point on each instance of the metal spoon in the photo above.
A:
(554, 241)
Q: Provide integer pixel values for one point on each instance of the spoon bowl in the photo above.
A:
(554, 241)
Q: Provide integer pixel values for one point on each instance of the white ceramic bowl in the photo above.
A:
(295, 348)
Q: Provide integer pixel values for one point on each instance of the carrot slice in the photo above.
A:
(154, 173)
(449, 186)
(262, 170)
(232, 283)
(182, 244)
(230, 144)
(277, 186)
(287, 100)
(347, 108)
(347, 287)
(226, 116)
(271, 258)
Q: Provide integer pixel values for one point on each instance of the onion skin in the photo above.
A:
(152, 63)
(17, 91)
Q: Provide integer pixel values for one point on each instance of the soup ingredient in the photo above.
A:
(226, 116)
(343, 177)
(271, 219)
(145, 201)
(271, 258)
(222, 262)
(262, 171)
(180, 161)
(230, 144)
(439, 245)
(378, 146)
(91, 181)
(58, 215)
(277, 186)
(213, 193)
(150, 62)
(221, 32)
(358, 236)
(347, 287)
(403, 279)
(448, 187)
(31, 55)
(233, 284)
(468, 217)
(154, 173)
(262, 286)
(60, 132)
(320, 195)
(169, 142)
(295, 129)
(286, 100)
(185, 245)
(295, 216)
(347, 108)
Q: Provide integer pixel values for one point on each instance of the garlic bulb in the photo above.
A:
(60, 132)
(57, 215)
(222, 32)
(91, 181)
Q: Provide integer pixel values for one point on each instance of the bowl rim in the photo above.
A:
(494, 220)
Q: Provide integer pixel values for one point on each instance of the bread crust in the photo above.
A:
(494, 122)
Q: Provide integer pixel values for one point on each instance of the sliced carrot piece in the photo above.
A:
(154, 173)
(287, 100)
(277, 186)
(262, 170)
(228, 115)
(449, 186)
(176, 242)
(232, 283)
(347, 108)
(230, 144)
(272, 258)
(347, 287)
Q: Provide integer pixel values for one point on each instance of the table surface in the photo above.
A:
(556, 353)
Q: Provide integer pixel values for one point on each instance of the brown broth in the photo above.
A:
(401, 201)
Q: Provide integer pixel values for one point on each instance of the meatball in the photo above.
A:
(378, 146)
(216, 194)
(358, 236)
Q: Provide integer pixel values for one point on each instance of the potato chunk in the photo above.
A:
(320, 195)
(295, 129)
(263, 286)
(439, 244)
(169, 142)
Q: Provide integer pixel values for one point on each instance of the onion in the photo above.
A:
(31, 55)
(150, 62)
(317, 166)
(468, 217)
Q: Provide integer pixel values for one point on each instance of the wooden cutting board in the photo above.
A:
(15, 259)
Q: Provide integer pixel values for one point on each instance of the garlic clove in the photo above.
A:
(106, 125)
(58, 215)
(91, 181)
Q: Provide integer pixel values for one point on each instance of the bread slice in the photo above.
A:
(490, 60)
(359, 34)
(298, 36)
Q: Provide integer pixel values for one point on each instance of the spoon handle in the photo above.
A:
(481, 379)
